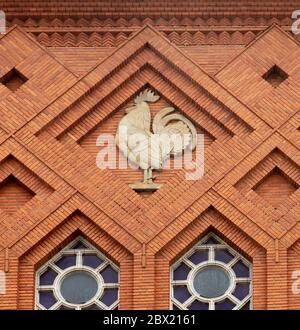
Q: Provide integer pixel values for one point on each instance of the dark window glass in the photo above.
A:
(48, 277)
(241, 270)
(211, 240)
(110, 296)
(224, 305)
(211, 282)
(109, 275)
(198, 306)
(91, 260)
(181, 293)
(93, 307)
(66, 261)
(79, 246)
(223, 255)
(181, 272)
(246, 307)
(199, 256)
(65, 308)
(47, 299)
(78, 287)
(241, 290)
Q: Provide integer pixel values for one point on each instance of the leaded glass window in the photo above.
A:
(211, 276)
(78, 277)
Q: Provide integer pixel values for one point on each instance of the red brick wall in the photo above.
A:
(48, 130)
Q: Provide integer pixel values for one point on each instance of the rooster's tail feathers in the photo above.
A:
(166, 122)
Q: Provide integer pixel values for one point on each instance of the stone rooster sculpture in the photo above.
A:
(149, 150)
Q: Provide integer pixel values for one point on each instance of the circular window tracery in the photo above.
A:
(79, 277)
(211, 281)
(211, 276)
(86, 287)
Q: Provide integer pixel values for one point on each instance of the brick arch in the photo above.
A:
(211, 221)
(77, 224)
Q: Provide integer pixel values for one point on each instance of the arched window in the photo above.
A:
(211, 276)
(78, 277)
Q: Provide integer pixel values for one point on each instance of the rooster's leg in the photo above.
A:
(148, 175)
(147, 184)
(145, 176)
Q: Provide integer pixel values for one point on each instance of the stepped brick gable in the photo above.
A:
(69, 72)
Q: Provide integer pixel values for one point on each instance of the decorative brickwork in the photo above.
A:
(68, 73)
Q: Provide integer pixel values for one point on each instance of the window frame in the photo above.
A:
(211, 261)
(63, 273)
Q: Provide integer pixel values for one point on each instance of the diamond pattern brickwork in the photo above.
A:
(249, 195)
(268, 62)
(13, 80)
(275, 76)
(275, 187)
(13, 194)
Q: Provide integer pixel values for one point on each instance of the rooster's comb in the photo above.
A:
(146, 96)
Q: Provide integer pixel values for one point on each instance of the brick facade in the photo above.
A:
(78, 68)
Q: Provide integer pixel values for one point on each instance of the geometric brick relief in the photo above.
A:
(32, 74)
(241, 90)
(274, 180)
(13, 79)
(275, 187)
(102, 105)
(275, 76)
(13, 194)
(270, 66)
(114, 39)
(291, 130)
(18, 186)
(81, 59)
(168, 15)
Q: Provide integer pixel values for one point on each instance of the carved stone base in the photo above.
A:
(142, 186)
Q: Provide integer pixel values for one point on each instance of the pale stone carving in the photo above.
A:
(172, 133)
